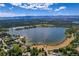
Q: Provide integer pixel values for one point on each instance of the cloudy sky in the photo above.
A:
(38, 9)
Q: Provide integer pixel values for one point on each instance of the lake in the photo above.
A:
(41, 35)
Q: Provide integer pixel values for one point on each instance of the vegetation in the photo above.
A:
(23, 22)
(17, 46)
(71, 30)
(15, 51)
(2, 52)
(70, 50)
(35, 52)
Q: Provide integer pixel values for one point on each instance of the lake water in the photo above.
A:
(46, 35)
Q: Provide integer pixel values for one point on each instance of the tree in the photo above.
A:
(56, 50)
(23, 40)
(15, 51)
(28, 49)
(45, 53)
(34, 52)
(77, 35)
(4, 35)
(70, 30)
(2, 52)
(7, 40)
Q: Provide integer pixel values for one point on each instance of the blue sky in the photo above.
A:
(38, 9)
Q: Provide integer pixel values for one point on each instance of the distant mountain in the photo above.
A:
(64, 18)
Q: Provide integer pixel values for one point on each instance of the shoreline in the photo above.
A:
(62, 44)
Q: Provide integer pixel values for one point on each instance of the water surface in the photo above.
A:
(43, 35)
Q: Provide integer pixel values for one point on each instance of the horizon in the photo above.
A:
(41, 16)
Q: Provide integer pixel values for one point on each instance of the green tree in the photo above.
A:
(15, 51)
(7, 40)
(28, 49)
(70, 30)
(2, 52)
(34, 52)
(23, 40)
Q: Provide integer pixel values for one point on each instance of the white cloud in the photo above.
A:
(60, 8)
(41, 6)
(2, 5)
(11, 8)
(10, 14)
